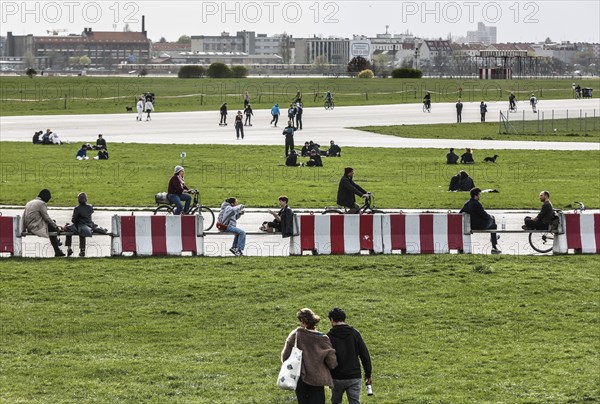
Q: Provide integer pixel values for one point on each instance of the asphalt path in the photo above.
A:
(263, 245)
(320, 126)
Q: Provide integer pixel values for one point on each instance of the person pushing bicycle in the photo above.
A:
(347, 189)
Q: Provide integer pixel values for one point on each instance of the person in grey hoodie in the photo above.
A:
(227, 222)
(349, 347)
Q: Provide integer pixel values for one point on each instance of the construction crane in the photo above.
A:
(55, 31)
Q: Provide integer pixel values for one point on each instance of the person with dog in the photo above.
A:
(544, 219)
(480, 219)
(227, 222)
(36, 220)
(347, 189)
(318, 358)
(283, 221)
(177, 192)
(349, 347)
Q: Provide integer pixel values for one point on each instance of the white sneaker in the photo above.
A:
(496, 251)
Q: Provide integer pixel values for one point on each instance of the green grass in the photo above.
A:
(578, 132)
(440, 329)
(95, 95)
(399, 178)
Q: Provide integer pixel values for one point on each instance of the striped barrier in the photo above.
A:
(406, 233)
(157, 235)
(425, 233)
(10, 235)
(581, 234)
(337, 234)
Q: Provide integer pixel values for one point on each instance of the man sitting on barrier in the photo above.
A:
(544, 219)
(347, 189)
(82, 225)
(177, 192)
(480, 219)
(282, 221)
(37, 221)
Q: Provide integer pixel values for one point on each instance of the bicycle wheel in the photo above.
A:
(331, 105)
(208, 217)
(541, 242)
(424, 107)
(332, 212)
(163, 210)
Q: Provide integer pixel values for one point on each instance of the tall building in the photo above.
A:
(335, 50)
(485, 35)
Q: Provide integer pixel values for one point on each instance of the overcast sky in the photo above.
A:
(516, 21)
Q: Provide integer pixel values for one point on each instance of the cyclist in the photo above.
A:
(178, 192)
(533, 102)
(328, 98)
(427, 101)
(347, 189)
(512, 102)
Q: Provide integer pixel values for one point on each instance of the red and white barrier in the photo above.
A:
(581, 234)
(10, 235)
(425, 233)
(337, 234)
(158, 235)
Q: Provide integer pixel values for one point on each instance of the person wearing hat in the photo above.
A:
(177, 192)
(347, 190)
(82, 224)
(37, 221)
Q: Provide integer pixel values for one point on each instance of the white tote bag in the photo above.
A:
(290, 369)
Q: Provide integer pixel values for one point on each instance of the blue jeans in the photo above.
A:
(177, 199)
(350, 386)
(239, 241)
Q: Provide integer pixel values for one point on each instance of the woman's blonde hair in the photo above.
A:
(308, 317)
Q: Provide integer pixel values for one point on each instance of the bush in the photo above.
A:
(366, 74)
(406, 73)
(239, 72)
(218, 71)
(30, 72)
(191, 72)
(358, 64)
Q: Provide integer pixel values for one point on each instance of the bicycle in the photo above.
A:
(328, 104)
(367, 209)
(543, 242)
(427, 106)
(165, 207)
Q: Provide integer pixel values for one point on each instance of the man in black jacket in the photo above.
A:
(283, 221)
(349, 347)
(543, 220)
(288, 132)
(347, 189)
(480, 219)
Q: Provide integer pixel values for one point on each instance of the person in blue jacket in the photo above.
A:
(275, 114)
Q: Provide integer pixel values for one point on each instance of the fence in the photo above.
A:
(569, 122)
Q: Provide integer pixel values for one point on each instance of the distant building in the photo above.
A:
(244, 41)
(164, 49)
(2, 46)
(485, 35)
(336, 51)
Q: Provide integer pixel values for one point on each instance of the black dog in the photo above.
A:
(490, 159)
(129, 109)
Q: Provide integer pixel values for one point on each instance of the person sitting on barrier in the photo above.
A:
(227, 222)
(82, 225)
(544, 219)
(452, 158)
(314, 159)
(36, 220)
(334, 150)
(347, 189)
(461, 182)
(177, 192)
(480, 219)
(292, 160)
(467, 157)
(282, 221)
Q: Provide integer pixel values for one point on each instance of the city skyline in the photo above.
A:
(522, 21)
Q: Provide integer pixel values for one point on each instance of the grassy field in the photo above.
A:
(489, 131)
(90, 95)
(440, 329)
(399, 178)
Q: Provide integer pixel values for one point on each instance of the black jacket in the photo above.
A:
(546, 214)
(349, 346)
(287, 222)
(334, 151)
(346, 191)
(479, 217)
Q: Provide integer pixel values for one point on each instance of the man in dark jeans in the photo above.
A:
(349, 347)
(288, 132)
(544, 219)
(347, 189)
(480, 219)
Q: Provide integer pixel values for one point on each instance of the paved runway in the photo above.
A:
(319, 125)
